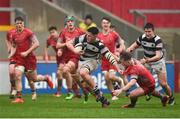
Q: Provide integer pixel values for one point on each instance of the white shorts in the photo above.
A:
(158, 66)
(90, 65)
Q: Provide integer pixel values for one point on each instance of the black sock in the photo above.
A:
(12, 83)
(133, 101)
(19, 94)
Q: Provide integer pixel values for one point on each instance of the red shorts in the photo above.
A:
(148, 90)
(28, 62)
(64, 59)
(107, 66)
(12, 60)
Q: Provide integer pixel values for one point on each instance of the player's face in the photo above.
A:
(105, 24)
(88, 22)
(19, 25)
(70, 24)
(149, 33)
(91, 37)
(54, 33)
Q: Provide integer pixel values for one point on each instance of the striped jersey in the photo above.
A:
(91, 50)
(150, 46)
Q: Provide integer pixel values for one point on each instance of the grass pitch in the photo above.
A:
(48, 106)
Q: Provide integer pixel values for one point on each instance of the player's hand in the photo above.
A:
(117, 92)
(59, 53)
(129, 50)
(24, 54)
(12, 52)
(143, 61)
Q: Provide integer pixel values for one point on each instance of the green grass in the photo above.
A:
(49, 106)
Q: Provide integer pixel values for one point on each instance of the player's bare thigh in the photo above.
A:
(137, 92)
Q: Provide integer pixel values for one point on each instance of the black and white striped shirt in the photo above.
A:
(150, 46)
(91, 50)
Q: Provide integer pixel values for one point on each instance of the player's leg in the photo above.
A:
(160, 68)
(75, 85)
(85, 69)
(19, 70)
(59, 80)
(67, 75)
(32, 85)
(12, 80)
(134, 97)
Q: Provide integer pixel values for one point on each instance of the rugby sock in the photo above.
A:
(19, 94)
(99, 95)
(59, 81)
(70, 90)
(12, 83)
(75, 89)
(133, 101)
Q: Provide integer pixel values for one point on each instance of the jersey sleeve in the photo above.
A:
(138, 41)
(61, 37)
(102, 48)
(117, 39)
(159, 45)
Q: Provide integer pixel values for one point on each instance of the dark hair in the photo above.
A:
(89, 16)
(112, 26)
(52, 28)
(93, 30)
(149, 26)
(125, 56)
(106, 18)
(19, 19)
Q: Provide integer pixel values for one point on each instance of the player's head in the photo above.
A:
(149, 30)
(92, 34)
(88, 19)
(106, 23)
(70, 21)
(126, 58)
(53, 31)
(19, 23)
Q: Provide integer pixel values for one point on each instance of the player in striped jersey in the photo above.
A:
(153, 56)
(90, 49)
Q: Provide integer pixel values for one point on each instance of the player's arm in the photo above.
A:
(60, 44)
(135, 45)
(120, 46)
(126, 87)
(109, 56)
(35, 44)
(75, 46)
(8, 45)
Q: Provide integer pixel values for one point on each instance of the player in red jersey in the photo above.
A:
(115, 44)
(25, 42)
(52, 41)
(69, 60)
(12, 67)
(140, 75)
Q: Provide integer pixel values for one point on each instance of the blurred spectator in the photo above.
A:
(87, 23)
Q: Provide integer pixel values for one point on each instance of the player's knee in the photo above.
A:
(163, 83)
(82, 73)
(66, 70)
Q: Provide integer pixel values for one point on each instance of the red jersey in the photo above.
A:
(110, 40)
(52, 42)
(10, 34)
(141, 74)
(66, 36)
(22, 41)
